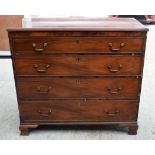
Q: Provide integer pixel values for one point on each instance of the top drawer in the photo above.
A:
(78, 45)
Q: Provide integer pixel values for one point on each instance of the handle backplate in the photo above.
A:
(44, 89)
(110, 68)
(34, 45)
(38, 68)
(112, 113)
(45, 112)
(116, 49)
(114, 91)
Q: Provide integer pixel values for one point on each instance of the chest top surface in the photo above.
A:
(83, 24)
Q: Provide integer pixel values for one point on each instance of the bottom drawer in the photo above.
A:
(78, 110)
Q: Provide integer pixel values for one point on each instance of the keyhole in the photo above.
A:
(77, 59)
(77, 41)
(79, 104)
(78, 82)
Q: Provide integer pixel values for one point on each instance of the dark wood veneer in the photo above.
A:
(78, 110)
(108, 88)
(79, 45)
(76, 65)
(85, 73)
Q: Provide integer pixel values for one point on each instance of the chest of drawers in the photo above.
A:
(79, 72)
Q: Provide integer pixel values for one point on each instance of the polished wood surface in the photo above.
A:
(86, 24)
(89, 73)
(79, 45)
(83, 65)
(107, 88)
(78, 110)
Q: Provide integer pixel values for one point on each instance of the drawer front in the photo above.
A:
(78, 110)
(109, 88)
(71, 65)
(77, 45)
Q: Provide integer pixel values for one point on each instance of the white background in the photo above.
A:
(77, 7)
(88, 8)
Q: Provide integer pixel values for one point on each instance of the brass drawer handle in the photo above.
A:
(114, 92)
(77, 41)
(82, 103)
(115, 49)
(79, 103)
(43, 89)
(120, 66)
(45, 113)
(112, 113)
(36, 66)
(39, 49)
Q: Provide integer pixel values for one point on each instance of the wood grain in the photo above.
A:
(78, 110)
(87, 71)
(78, 65)
(79, 45)
(45, 88)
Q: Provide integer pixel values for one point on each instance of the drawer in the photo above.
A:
(109, 88)
(78, 45)
(78, 110)
(72, 65)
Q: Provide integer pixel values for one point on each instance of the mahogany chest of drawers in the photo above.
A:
(79, 72)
